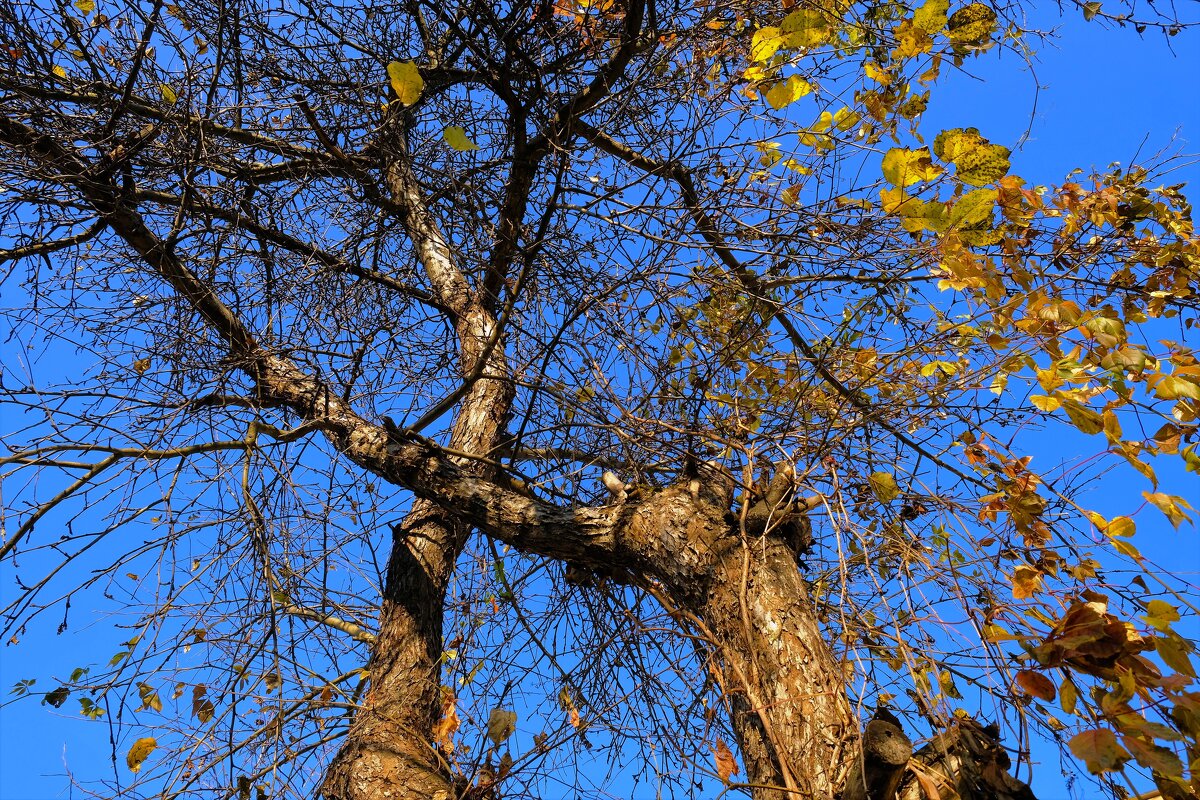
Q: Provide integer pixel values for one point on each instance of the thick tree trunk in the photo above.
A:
(387, 752)
(787, 694)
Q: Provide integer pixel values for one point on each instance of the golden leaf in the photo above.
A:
(406, 81)
(457, 138)
(788, 91)
(140, 751)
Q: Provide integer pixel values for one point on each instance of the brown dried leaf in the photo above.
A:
(1036, 684)
(448, 724)
(727, 765)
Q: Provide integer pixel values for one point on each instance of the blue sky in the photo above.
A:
(1100, 96)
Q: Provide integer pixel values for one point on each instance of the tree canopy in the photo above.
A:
(586, 397)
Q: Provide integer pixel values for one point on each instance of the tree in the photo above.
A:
(670, 429)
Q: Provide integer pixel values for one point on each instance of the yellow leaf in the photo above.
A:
(1084, 418)
(977, 162)
(149, 697)
(1120, 526)
(972, 27)
(456, 137)
(141, 365)
(1170, 387)
(788, 91)
(845, 119)
(893, 200)
(1173, 650)
(919, 215)
(1125, 548)
(140, 751)
(903, 167)
(1170, 505)
(406, 81)
(931, 17)
(804, 28)
(1160, 614)
(1044, 402)
(1068, 695)
(973, 209)
(59, 71)
(764, 44)
(884, 486)
(876, 73)
(85, 6)
(1026, 581)
(167, 93)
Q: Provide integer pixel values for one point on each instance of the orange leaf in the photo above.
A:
(928, 785)
(1100, 750)
(445, 728)
(726, 764)
(1036, 684)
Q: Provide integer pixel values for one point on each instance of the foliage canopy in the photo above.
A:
(460, 395)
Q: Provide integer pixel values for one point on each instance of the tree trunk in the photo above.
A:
(387, 752)
(786, 690)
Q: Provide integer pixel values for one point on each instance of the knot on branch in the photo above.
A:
(775, 510)
(967, 758)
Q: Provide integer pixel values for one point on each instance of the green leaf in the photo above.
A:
(456, 137)
(406, 81)
(89, 709)
(57, 697)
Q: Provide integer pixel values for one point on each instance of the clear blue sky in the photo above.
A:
(1104, 96)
